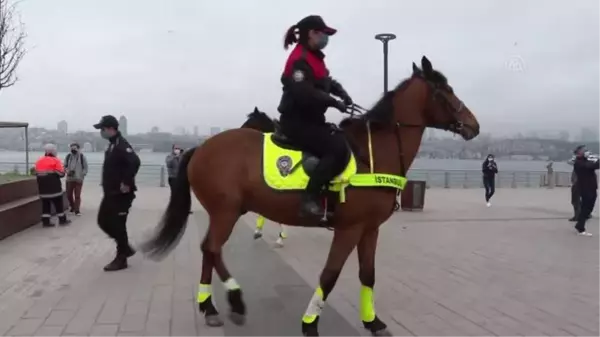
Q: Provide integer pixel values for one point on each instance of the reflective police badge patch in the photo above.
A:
(284, 165)
(298, 76)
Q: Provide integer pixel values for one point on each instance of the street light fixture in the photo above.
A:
(385, 38)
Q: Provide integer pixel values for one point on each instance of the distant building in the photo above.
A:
(589, 135)
(62, 127)
(180, 131)
(214, 130)
(87, 146)
(123, 125)
(195, 130)
(154, 129)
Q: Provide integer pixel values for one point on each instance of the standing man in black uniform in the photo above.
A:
(120, 167)
(585, 167)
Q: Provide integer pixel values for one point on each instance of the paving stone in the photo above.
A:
(457, 268)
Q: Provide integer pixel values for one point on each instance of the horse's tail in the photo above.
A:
(174, 220)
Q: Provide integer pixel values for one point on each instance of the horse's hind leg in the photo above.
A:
(260, 223)
(205, 302)
(221, 226)
(343, 243)
(282, 236)
(366, 260)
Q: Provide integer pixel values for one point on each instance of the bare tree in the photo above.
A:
(12, 48)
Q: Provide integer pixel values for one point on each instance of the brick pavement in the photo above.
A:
(457, 268)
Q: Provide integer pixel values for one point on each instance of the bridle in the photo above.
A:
(435, 93)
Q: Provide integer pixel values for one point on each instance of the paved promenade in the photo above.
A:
(457, 268)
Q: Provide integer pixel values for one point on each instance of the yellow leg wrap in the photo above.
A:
(260, 222)
(204, 292)
(282, 233)
(314, 307)
(367, 306)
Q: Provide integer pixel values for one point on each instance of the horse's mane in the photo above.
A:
(382, 112)
(258, 114)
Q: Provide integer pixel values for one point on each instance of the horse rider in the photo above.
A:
(307, 90)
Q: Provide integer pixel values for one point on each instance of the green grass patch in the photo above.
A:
(10, 177)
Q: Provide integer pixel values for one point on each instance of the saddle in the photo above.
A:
(309, 161)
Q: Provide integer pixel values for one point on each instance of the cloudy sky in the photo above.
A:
(517, 64)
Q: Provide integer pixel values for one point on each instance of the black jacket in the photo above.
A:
(121, 165)
(489, 169)
(307, 87)
(586, 174)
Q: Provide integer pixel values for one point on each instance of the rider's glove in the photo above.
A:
(341, 106)
(347, 100)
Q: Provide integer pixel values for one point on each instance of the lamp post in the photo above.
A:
(385, 38)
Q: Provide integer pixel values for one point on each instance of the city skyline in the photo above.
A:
(583, 134)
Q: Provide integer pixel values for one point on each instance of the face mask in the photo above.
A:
(104, 134)
(322, 41)
(73, 151)
(177, 151)
(490, 159)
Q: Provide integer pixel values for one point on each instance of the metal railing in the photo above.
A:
(148, 175)
(156, 175)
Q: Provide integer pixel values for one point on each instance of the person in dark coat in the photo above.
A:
(489, 168)
(172, 162)
(121, 165)
(585, 167)
(575, 195)
(308, 91)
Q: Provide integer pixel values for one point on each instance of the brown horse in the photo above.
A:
(225, 174)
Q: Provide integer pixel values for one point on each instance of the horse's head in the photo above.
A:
(443, 109)
(260, 121)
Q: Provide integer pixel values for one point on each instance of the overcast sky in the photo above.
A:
(515, 63)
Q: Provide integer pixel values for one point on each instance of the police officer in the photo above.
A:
(120, 167)
(585, 167)
(307, 90)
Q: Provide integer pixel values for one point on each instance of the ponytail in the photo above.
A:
(290, 37)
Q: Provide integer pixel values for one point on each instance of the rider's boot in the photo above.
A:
(311, 207)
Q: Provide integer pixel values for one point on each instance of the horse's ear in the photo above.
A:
(256, 109)
(416, 69)
(426, 65)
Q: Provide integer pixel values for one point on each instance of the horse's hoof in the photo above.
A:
(279, 243)
(213, 321)
(237, 319)
(382, 332)
(257, 235)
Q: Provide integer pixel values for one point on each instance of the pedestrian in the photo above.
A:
(172, 162)
(489, 169)
(585, 166)
(77, 167)
(120, 167)
(575, 195)
(48, 171)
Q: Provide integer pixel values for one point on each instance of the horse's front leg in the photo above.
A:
(343, 243)
(366, 273)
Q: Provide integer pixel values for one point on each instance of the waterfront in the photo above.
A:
(158, 158)
(447, 173)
